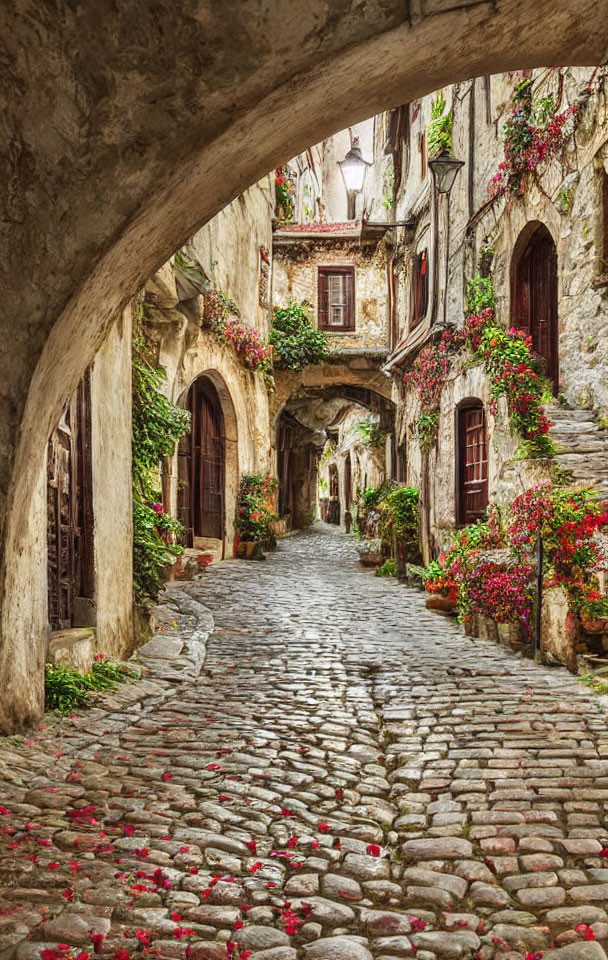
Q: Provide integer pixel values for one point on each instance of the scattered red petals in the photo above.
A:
(373, 850)
(417, 924)
(68, 894)
(324, 827)
(585, 930)
(293, 841)
(184, 849)
(97, 940)
(252, 846)
(339, 793)
(167, 776)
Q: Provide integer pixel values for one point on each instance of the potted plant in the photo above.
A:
(256, 513)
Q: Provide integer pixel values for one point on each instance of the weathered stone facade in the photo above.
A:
(568, 198)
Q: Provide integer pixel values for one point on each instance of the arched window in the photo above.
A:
(472, 462)
(534, 295)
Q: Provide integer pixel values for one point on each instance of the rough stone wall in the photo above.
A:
(480, 108)
(295, 275)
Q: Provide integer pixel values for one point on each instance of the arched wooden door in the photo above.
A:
(202, 464)
(534, 299)
(472, 467)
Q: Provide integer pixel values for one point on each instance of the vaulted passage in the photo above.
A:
(398, 785)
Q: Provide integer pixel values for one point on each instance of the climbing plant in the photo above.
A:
(512, 367)
(221, 314)
(295, 341)
(439, 130)
(534, 132)
(157, 426)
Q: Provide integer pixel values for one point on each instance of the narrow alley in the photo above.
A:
(343, 776)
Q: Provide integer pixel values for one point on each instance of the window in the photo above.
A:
(419, 289)
(472, 465)
(336, 298)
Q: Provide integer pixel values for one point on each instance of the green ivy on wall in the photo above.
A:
(157, 426)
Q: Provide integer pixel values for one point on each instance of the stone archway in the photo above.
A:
(120, 143)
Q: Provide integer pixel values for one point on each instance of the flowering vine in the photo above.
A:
(222, 316)
(511, 365)
(534, 132)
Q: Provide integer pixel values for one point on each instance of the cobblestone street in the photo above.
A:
(345, 776)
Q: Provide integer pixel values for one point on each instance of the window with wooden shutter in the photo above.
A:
(336, 298)
(472, 466)
(419, 290)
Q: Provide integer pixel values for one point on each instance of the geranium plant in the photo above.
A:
(256, 509)
(534, 132)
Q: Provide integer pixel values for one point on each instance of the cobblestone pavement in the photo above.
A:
(345, 777)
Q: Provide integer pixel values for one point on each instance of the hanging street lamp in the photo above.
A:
(444, 169)
(353, 169)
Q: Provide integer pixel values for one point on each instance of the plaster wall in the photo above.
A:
(112, 490)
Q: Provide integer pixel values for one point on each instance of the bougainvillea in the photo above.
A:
(513, 369)
(222, 316)
(534, 132)
(503, 592)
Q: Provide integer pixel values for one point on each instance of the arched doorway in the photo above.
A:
(534, 295)
(333, 515)
(471, 462)
(202, 465)
(348, 482)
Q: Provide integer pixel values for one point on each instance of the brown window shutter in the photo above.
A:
(322, 312)
(349, 283)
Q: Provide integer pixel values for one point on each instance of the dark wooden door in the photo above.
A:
(348, 482)
(473, 464)
(70, 561)
(202, 465)
(535, 300)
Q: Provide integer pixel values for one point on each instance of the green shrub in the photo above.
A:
(439, 130)
(296, 342)
(388, 569)
(65, 689)
(399, 516)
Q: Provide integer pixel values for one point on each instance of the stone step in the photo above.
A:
(555, 412)
(575, 427)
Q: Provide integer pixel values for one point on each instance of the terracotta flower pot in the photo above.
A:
(440, 604)
(596, 625)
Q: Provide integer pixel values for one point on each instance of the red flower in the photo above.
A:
(97, 940)
(252, 845)
(373, 850)
(68, 894)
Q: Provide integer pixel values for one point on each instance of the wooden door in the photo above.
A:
(473, 464)
(202, 465)
(535, 300)
(348, 482)
(70, 562)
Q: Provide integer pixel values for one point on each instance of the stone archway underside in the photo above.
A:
(128, 126)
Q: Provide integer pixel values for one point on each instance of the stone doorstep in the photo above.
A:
(73, 648)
